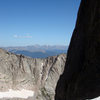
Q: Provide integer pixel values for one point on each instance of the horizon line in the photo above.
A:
(36, 45)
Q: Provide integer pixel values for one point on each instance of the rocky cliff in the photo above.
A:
(38, 76)
(81, 77)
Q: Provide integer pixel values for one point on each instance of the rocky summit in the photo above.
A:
(24, 78)
(81, 77)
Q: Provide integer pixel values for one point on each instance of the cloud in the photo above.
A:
(22, 36)
(15, 36)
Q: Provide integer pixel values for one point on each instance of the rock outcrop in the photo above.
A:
(81, 77)
(18, 72)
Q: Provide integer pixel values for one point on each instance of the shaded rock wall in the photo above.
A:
(81, 77)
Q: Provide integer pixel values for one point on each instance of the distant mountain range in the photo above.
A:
(38, 51)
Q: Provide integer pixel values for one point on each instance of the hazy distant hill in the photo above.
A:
(37, 51)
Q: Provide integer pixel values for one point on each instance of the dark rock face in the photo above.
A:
(81, 77)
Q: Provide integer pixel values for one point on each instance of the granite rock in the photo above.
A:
(39, 75)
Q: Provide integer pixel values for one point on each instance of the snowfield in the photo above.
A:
(17, 94)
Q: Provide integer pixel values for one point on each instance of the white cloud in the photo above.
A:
(22, 36)
(15, 36)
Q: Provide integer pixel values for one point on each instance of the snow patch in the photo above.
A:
(41, 64)
(17, 94)
(98, 98)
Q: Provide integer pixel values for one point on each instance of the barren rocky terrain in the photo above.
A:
(20, 73)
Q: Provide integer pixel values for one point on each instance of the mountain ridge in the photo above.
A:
(38, 75)
(38, 51)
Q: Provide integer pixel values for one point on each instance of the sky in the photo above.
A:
(43, 22)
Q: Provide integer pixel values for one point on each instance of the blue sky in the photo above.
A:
(44, 22)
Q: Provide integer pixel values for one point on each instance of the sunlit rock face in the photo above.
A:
(81, 77)
(23, 78)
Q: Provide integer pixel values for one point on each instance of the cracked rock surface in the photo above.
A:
(39, 75)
